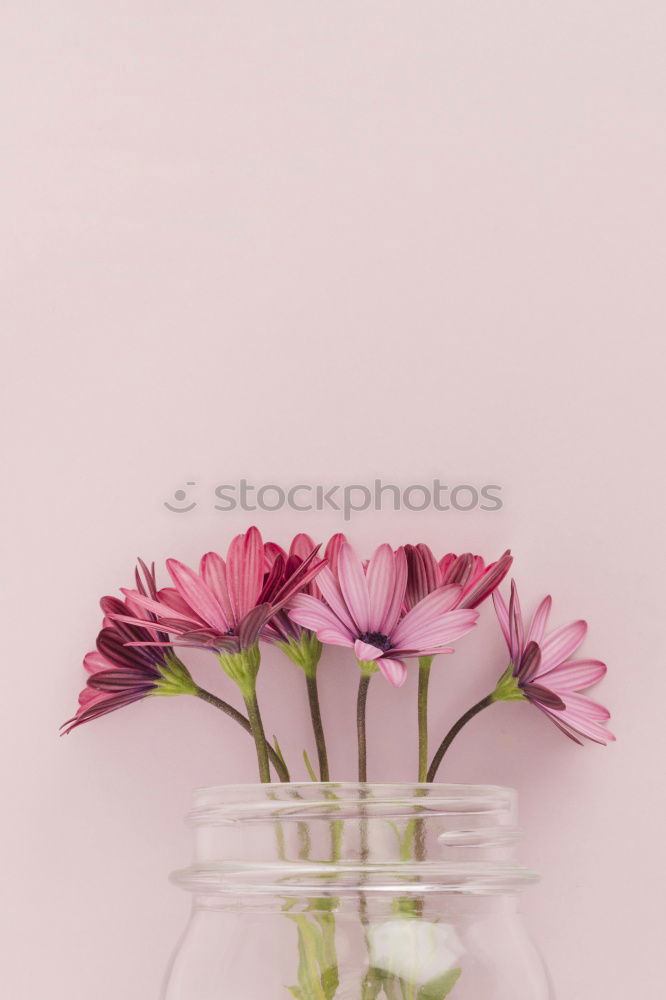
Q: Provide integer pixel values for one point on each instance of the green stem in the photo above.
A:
(361, 701)
(425, 663)
(453, 732)
(277, 762)
(317, 726)
(257, 727)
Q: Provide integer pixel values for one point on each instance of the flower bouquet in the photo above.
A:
(403, 892)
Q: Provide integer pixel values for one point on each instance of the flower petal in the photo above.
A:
(311, 613)
(214, 573)
(516, 627)
(489, 580)
(502, 613)
(561, 643)
(195, 592)
(394, 609)
(332, 594)
(245, 572)
(574, 675)
(157, 607)
(540, 620)
(395, 671)
(332, 552)
(429, 610)
(423, 574)
(380, 578)
(338, 636)
(365, 651)
(354, 586)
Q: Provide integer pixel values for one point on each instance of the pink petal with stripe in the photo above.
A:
(502, 613)
(315, 615)
(354, 586)
(301, 546)
(332, 594)
(380, 579)
(441, 631)
(537, 628)
(94, 662)
(395, 671)
(214, 573)
(394, 609)
(338, 636)
(157, 607)
(195, 592)
(402, 653)
(364, 651)
(332, 552)
(574, 675)
(427, 611)
(516, 628)
(585, 727)
(245, 572)
(561, 643)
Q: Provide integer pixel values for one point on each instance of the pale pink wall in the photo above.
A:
(310, 241)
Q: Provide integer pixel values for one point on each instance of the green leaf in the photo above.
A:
(440, 987)
(311, 771)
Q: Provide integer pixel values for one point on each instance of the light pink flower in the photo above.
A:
(476, 580)
(226, 604)
(362, 607)
(542, 671)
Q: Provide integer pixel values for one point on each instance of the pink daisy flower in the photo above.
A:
(543, 672)
(282, 628)
(476, 580)
(362, 607)
(120, 674)
(226, 605)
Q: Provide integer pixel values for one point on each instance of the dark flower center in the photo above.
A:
(377, 639)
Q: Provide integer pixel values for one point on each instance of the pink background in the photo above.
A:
(323, 242)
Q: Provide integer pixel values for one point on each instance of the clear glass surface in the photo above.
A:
(355, 892)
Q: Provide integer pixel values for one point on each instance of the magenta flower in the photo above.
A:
(226, 605)
(120, 674)
(542, 671)
(476, 580)
(282, 628)
(362, 607)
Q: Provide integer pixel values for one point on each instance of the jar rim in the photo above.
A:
(307, 800)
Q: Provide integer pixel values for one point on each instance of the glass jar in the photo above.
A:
(355, 892)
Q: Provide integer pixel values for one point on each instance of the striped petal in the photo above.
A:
(395, 671)
(195, 592)
(380, 580)
(338, 636)
(574, 675)
(488, 581)
(354, 586)
(157, 607)
(394, 609)
(332, 594)
(561, 643)
(214, 573)
(315, 615)
(245, 572)
(537, 628)
(516, 628)
(428, 611)
(364, 651)
(332, 553)
(502, 613)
